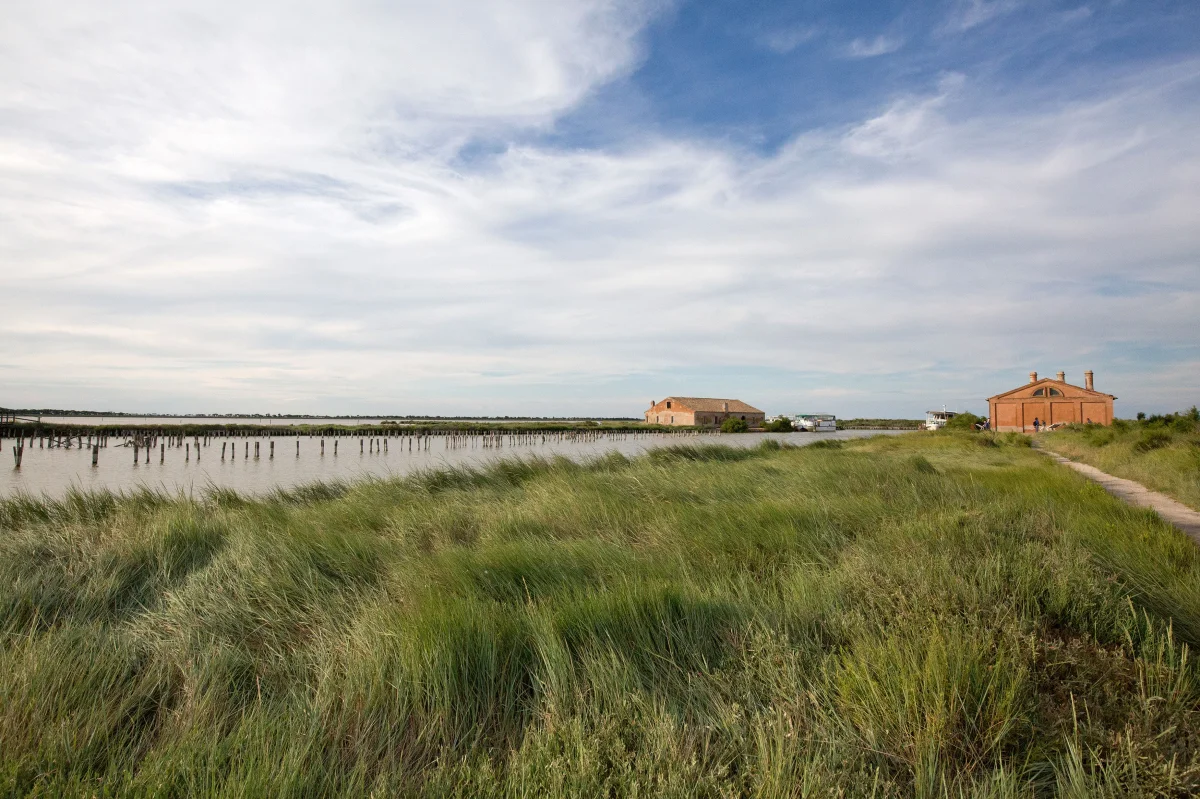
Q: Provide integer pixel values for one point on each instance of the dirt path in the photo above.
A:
(1137, 494)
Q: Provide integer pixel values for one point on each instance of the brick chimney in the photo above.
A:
(1061, 377)
(1087, 380)
(725, 407)
(1033, 377)
(653, 403)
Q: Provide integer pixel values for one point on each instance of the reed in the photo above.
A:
(896, 616)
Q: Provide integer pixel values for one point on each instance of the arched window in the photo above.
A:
(1041, 392)
(1054, 392)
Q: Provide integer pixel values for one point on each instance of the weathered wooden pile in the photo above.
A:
(372, 439)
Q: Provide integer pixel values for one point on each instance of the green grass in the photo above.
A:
(1162, 453)
(930, 615)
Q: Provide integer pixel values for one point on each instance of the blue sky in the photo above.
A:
(577, 207)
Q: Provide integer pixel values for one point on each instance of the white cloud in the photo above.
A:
(208, 216)
(869, 48)
(786, 39)
(968, 14)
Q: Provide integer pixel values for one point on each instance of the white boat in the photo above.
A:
(936, 420)
(816, 422)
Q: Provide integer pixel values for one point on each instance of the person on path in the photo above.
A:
(1036, 423)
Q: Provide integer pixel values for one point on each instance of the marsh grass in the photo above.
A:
(903, 616)
(1162, 452)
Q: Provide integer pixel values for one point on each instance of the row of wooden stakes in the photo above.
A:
(453, 440)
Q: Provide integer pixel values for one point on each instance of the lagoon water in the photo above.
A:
(261, 421)
(54, 471)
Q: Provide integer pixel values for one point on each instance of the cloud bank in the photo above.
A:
(351, 208)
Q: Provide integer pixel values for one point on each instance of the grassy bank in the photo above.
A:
(936, 615)
(880, 424)
(1162, 452)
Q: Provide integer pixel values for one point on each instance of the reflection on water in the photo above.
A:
(299, 459)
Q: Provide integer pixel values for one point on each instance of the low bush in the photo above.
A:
(1152, 439)
(734, 426)
(780, 425)
(965, 421)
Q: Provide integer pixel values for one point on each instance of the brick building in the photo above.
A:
(702, 412)
(1050, 402)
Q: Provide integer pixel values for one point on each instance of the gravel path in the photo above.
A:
(1137, 494)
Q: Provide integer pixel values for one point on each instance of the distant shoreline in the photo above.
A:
(59, 413)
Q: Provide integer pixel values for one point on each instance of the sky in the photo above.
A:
(575, 207)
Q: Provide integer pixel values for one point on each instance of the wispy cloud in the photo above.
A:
(786, 39)
(968, 14)
(869, 48)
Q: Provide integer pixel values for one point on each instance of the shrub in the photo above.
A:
(780, 425)
(734, 426)
(964, 421)
(1152, 439)
(1183, 424)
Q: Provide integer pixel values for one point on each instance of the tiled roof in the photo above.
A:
(710, 405)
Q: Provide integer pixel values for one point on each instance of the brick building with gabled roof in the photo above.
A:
(1050, 402)
(702, 412)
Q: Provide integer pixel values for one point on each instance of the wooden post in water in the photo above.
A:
(322, 447)
(187, 449)
(19, 452)
(95, 454)
(297, 448)
(135, 454)
(162, 452)
(272, 450)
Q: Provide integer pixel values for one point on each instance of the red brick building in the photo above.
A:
(702, 412)
(1050, 402)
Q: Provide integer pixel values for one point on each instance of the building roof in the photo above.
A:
(1047, 381)
(711, 405)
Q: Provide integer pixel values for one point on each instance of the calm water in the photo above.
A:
(272, 421)
(178, 469)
